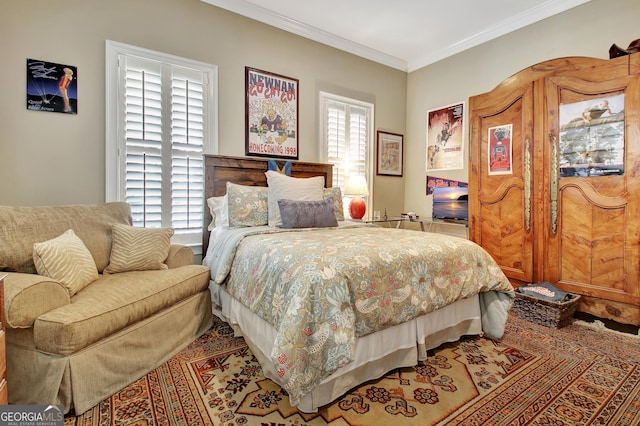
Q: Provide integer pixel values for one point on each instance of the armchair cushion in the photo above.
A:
(65, 259)
(179, 255)
(138, 249)
(125, 299)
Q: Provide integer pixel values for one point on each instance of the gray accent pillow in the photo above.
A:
(307, 214)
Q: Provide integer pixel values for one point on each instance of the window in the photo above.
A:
(347, 138)
(160, 121)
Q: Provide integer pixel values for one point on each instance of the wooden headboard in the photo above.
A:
(218, 170)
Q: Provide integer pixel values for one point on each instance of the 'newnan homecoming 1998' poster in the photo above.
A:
(271, 115)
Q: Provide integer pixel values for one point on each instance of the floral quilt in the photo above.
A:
(322, 288)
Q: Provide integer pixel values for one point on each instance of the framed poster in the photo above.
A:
(52, 87)
(389, 154)
(445, 138)
(500, 152)
(271, 114)
(592, 137)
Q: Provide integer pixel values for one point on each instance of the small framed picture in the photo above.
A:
(500, 152)
(389, 154)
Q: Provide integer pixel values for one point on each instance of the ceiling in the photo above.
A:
(403, 34)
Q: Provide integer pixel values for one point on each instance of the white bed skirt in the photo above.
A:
(376, 354)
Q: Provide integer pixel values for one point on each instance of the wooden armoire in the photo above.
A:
(555, 163)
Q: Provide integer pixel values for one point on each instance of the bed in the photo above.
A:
(326, 307)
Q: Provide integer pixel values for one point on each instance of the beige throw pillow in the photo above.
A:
(138, 249)
(65, 259)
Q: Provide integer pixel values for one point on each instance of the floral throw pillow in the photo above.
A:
(336, 194)
(247, 205)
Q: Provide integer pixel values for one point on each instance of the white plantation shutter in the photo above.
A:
(358, 141)
(143, 140)
(187, 172)
(347, 138)
(162, 120)
(336, 142)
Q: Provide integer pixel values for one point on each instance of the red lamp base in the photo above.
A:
(357, 208)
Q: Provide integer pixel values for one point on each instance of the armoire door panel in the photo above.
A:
(594, 250)
(502, 231)
(501, 214)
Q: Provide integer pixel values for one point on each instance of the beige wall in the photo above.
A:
(49, 158)
(587, 30)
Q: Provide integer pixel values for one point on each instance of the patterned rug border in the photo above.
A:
(534, 375)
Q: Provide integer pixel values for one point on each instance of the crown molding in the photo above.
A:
(516, 22)
(513, 23)
(273, 19)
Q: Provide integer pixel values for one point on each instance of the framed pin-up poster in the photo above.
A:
(271, 114)
(52, 87)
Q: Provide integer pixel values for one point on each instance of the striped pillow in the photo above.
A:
(65, 259)
(138, 249)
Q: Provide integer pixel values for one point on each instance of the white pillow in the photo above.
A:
(218, 209)
(290, 188)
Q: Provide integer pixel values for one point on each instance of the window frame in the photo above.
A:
(114, 143)
(324, 99)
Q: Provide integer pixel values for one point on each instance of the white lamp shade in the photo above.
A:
(357, 185)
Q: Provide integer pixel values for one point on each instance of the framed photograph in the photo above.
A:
(445, 138)
(390, 150)
(271, 114)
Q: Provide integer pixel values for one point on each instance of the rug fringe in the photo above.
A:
(600, 326)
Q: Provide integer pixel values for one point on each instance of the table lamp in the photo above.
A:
(357, 186)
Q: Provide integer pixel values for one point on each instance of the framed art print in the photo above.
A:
(445, 138)
(271, 114)
(389, 152)
(500, 151)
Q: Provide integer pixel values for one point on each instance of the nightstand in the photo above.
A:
(399, 221)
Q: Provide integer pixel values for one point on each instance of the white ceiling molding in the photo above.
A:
(513, 23)
(428, 55)
(277, 20)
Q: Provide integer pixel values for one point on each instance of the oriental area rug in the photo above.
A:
(577, 375)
